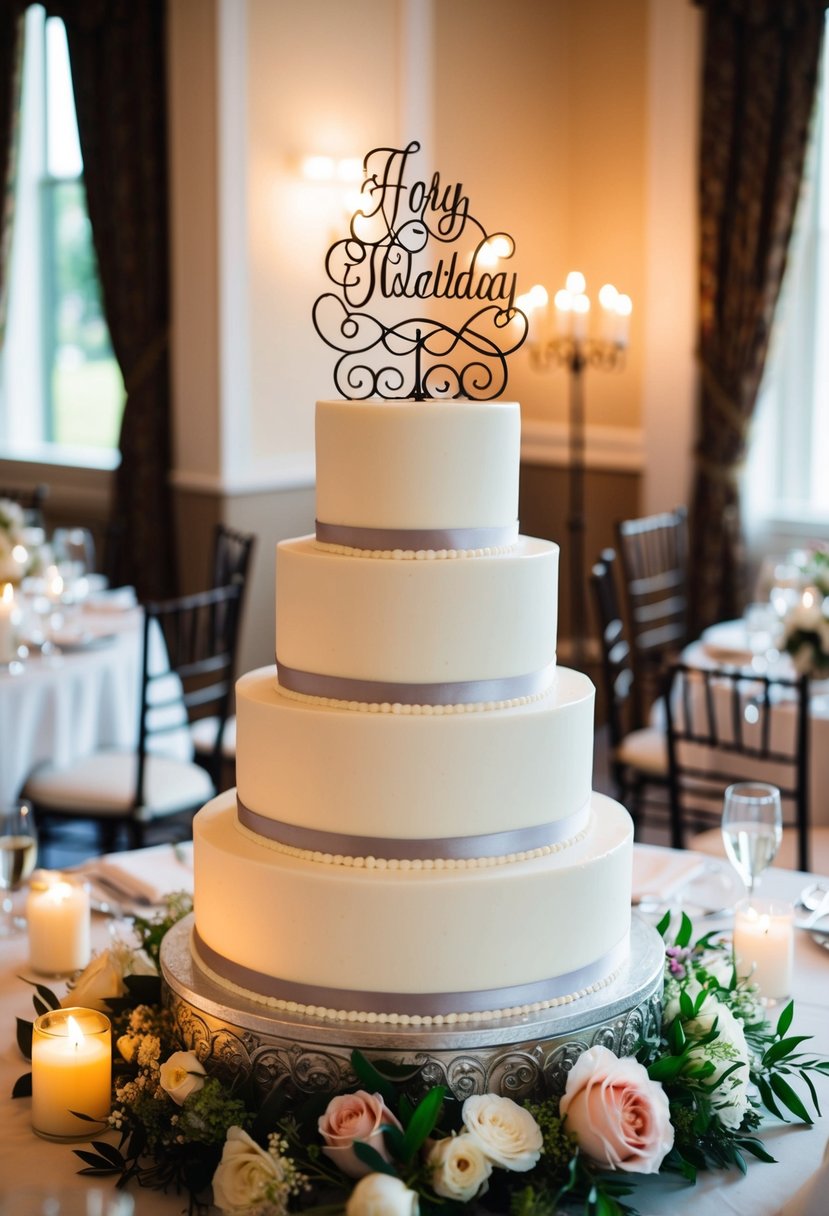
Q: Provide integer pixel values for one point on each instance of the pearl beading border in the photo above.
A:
(401, 1019)
(412, 863)
(387, 707)
(418, 555)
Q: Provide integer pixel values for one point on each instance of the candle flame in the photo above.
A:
(73, 1032)
(59, 891)
(8, 593)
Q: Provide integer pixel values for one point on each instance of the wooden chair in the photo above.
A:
(231, 559)
(653, 552)
(158, 779)
(727, 725)
(638, 757)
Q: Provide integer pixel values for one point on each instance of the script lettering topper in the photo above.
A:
(417, 241)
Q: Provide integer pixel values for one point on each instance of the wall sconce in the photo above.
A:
(572, 348)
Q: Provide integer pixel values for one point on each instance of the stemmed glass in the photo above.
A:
(18, 850)
(752, 828)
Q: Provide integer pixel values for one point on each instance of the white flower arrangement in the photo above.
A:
(806, 634)
(691, 1099)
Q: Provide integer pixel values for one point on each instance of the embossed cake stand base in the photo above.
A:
(523, 1057)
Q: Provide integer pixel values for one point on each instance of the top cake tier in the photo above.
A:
(417, 475)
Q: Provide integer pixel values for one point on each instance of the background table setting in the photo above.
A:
(663, 879)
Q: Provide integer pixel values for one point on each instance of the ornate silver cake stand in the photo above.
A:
(523, 1057)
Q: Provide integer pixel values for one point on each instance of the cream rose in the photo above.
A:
(460, 1167)
(243, 1175)
(506, 1133)
(381, 1195)
(183, 1074)
(354, 1117)
(730, 1099)
(619, 1116)
(102, 979)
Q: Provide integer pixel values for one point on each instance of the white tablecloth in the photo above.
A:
(768, 1189)
(64, 705)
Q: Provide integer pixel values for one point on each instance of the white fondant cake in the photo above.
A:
(414, 836)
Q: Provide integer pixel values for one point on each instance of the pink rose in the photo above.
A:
(619, 1116)
(353, 1117)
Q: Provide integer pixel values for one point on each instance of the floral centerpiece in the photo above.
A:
(19, 551)
(691, 1099)
(806, 634)
(814, 568)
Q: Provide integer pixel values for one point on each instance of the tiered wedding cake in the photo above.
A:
(414, 839)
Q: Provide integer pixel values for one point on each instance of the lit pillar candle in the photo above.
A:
(57, 911)
(9, 621)
(764, 945)
(71, 1071)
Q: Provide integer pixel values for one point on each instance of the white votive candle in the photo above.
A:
(9, 622)
(57, 911)
(764, 945)
(71, 1071)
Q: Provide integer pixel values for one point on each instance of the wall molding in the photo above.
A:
(617, 449)
(293, 471)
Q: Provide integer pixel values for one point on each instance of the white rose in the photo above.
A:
(183, 1074)
(730, 1100)
(505, 1132)
(243, 1175)
(381, 1195)
(102, 979)
(459, 1166)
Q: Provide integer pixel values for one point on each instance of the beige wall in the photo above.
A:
(571, 124)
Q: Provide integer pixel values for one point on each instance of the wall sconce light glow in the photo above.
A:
(624, 305)
(563, 300)
(581, 303)
(318, 168)
(575, 283)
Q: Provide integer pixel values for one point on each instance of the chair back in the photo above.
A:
(653, 551)
(232, 554)
(617, 667)
(726, 725)
(191, 674)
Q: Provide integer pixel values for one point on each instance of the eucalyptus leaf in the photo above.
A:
(685, 931)
(789, 1098)
(664, 924)
(371, 1078)
(370, 1157)
(24, 1038)
(423, 1120)
(46, 994)
(785, 1019)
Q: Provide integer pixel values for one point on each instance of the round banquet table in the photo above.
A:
(767, 1190)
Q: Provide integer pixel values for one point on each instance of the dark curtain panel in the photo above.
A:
(760, 69)
(117, 53)
(11, 61)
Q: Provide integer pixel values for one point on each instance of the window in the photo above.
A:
(786, 484)
(60, 383)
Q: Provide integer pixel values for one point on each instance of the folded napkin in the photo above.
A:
(118, 599)
(146, 875)
(663, 872)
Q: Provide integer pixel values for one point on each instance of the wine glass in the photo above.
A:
(752, 828)
(18, 850)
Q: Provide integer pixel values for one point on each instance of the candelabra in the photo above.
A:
(574, 350)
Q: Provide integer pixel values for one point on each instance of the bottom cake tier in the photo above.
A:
(526, 1058)
(416, 944)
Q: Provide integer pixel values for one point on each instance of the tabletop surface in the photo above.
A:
(26, 1160)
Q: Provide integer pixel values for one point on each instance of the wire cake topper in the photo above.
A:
(417, 241)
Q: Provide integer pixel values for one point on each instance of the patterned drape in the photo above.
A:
(117, 54)
(760, 68)
(11, 62)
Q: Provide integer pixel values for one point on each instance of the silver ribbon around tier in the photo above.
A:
(453, 848)
(423, 1004)
(436, 539)
(447, 692)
